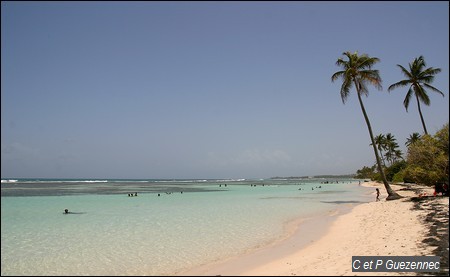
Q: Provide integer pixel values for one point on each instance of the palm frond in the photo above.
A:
(373, 77)
(367, 62)
(425, 79)
(337, 75)
(430, 71)
(345, 89)
(434, 89)
(341, 63)
(408, 96)
(402, 83)
(405, 72)
(421, 94)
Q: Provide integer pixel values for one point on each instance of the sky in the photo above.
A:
(207, 89)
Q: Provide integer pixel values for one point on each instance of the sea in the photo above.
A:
(154, 227)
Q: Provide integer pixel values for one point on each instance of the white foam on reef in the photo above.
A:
(9, 181)
(60, 181)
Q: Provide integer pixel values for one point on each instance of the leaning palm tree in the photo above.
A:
(357, 70)
(418, 78)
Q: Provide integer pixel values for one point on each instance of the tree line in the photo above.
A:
(426, 160)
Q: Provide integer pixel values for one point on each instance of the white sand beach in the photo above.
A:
(378, 228)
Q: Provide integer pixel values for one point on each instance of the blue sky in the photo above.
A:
(206, 89)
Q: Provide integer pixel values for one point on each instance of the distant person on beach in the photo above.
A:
(378, 194)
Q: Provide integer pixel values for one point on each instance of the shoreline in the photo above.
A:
(369, 229)
(299, 233)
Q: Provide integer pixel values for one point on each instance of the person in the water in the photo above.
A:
(66, 211)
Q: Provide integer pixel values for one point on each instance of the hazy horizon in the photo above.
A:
(103, 179)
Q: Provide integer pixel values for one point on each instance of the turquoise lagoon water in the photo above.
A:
(191, 223)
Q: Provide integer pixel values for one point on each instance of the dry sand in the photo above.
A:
(379, 228)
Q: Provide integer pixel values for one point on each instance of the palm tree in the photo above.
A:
(412, 139)
(417, 78)
(357, 70)
(380, 142)
(392, 152)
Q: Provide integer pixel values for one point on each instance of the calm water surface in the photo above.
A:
(190, 223)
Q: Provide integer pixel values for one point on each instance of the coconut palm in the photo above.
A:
(380, 141)
(393, 154)
(357, 70)
(412, 139)
(418, 78)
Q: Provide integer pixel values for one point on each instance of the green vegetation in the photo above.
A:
(357, 71)
(428, 158)
(366, 173)
(427, 161)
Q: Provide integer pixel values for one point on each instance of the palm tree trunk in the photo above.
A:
(421, 116)
(392, 195)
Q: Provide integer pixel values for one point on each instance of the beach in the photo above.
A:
(416, 225)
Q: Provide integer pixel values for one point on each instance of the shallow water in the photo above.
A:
(111, 233)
